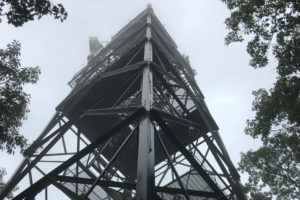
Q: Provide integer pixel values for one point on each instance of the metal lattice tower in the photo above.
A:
(134, 126)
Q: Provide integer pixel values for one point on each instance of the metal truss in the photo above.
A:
(135, 126)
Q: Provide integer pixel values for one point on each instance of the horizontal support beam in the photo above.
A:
(189, 192)
(131, 186)
(71, 194)
(104, 183)
(56, 154)
(122, 70)
(168, 117)
(109, 111)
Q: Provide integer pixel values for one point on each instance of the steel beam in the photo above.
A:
(196, 193)
(123, 57)
(176, 119)
(132, 186)
(44, 182)
(163, 81)
(123, 70)
(202, 107)
(164, 97)
(104, 183)
(145, 158)
(145, 162)
(111, 161)
(127, 89)
(65, 190)
(20, 176)
(172, 166)
(166, 129)
(109, 111)
(16, 178)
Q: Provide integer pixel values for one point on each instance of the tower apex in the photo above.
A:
(149, 7)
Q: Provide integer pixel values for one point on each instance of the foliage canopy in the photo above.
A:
(19, 12)
(2, 174)
(273, 26)
(13, 100)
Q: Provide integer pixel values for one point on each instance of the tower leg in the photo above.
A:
(145, 163)
(145, 158)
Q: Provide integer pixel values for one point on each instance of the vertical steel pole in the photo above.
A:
(145, 159)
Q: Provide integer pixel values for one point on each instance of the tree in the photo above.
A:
(19, 12)
(2, 174)
(273, 27)
(13, 100)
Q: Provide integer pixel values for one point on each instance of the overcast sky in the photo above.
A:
(197, 27)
